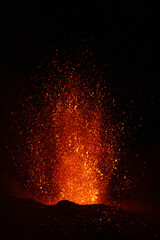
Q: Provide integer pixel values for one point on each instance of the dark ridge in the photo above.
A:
(65, 203)
(27, 219)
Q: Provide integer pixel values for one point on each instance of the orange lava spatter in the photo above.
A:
(79, 147)
(70, 148)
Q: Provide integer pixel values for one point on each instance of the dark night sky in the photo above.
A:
(123, 36)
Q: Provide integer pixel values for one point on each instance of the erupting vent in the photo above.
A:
(70, 142)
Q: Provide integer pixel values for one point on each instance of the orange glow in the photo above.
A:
(70, 142)
(78, 145)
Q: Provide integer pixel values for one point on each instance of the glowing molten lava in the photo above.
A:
(70, 141)
(78, 148)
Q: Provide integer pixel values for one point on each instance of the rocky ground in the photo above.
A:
(27, 219)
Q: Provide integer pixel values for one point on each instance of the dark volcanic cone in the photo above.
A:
(27, 219)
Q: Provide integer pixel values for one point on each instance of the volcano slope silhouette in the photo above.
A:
(27, 219)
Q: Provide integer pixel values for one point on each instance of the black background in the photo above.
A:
(122, 36)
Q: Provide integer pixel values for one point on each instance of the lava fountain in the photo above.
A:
(77, 123)
(70, 139)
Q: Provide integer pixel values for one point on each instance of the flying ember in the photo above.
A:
(70, 141)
